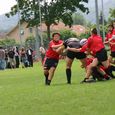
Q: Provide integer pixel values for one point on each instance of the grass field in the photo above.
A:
(22, 92)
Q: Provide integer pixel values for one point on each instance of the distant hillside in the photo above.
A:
(6, 24)
(91, 5)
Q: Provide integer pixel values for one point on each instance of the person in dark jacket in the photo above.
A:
(30, 56)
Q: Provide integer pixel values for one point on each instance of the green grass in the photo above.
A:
(22, 92)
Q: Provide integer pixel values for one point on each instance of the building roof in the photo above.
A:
(78, 29)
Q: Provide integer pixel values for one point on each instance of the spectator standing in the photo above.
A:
(11, 58)
(24, 59)
(30, 56)
(2, 59)
(6, 57)
(17, 57)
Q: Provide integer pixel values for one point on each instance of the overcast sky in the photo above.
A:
(5, 5)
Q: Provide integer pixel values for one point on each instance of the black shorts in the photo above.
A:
(78, 55)
(50, 63)
(101, 55)
(112, 54)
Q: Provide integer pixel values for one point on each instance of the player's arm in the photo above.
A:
(56, 46)
(60, 49)
(112, 38)
(112, 43)
(106, 42)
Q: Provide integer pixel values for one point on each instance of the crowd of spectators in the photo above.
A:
(14, 57)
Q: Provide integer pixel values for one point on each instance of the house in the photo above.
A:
(78, 29)
(26, 32)
(23, 34)
(2, 35)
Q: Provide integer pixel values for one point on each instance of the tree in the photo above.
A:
(51, 12)
(65, 34)
(112, 13)
(78, 19)
(8, 42)
(30, 41)
(85, 35)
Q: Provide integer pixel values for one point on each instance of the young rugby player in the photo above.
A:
(72, 43)
(111, 41)
(96, 47)
(51, 58)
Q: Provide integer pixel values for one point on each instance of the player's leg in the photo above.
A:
(111, 58)
(68, 69)
(89, 70)
(46, 70)
(51, 74)
(108, 68)
(99, 74)
(50, 65)
(46, 74)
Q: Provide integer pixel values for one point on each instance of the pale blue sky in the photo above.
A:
(5, 5)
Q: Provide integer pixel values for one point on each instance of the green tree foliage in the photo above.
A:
(78, 18)
(30, 41)
(85, 35)
(8, 42)
(45, 40)
(51, 12)
(112, 13)
(65, 34)
(2, 43)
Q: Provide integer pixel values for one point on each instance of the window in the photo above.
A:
(30, 29)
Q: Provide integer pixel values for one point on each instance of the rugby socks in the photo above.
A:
(68, 74)
(94, 73)
(46, 78)
(109, 72)
(106, 77)
(48, 82)
(112, 69)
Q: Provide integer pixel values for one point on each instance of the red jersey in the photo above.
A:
(50, 53)
(84, 48)
(95, 44)
(114, 31)
(109, 36)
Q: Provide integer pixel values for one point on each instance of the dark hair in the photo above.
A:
(55, 34)
(94, 31)
(1, 47)
(110, 25)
